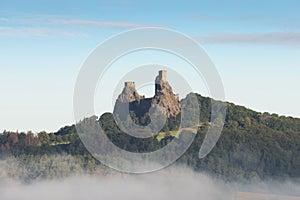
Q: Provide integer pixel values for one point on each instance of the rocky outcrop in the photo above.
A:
(129, 94)
(164, 97)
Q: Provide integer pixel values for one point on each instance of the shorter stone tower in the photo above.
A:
(129, 93)
(130, 84)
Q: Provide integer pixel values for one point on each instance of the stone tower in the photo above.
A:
(160, 80)
(163, 75)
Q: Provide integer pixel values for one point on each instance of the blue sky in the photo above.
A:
(255, 46)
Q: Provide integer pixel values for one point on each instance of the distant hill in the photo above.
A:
(252, 146)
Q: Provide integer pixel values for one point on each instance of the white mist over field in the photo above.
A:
(175, 184)
(168, 184)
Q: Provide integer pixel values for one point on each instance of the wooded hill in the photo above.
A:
(252, 146)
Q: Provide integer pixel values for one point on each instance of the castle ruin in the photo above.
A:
(163, 96)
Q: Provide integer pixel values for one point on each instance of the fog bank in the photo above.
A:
(171, 183)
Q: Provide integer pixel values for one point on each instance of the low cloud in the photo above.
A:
(277, 38)
(231, 18)
(105, 24)
(55, 26)
(23, 32)
(58, 20)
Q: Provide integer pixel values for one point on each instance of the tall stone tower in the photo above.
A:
(160, 80)
(163, 75)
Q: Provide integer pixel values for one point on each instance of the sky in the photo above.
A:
(255, 46)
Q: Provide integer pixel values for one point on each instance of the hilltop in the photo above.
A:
(252, 146)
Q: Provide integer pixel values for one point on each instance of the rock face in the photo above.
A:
(129, 93)
(163, 97)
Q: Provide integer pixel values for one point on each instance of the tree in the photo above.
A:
(44, 138)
